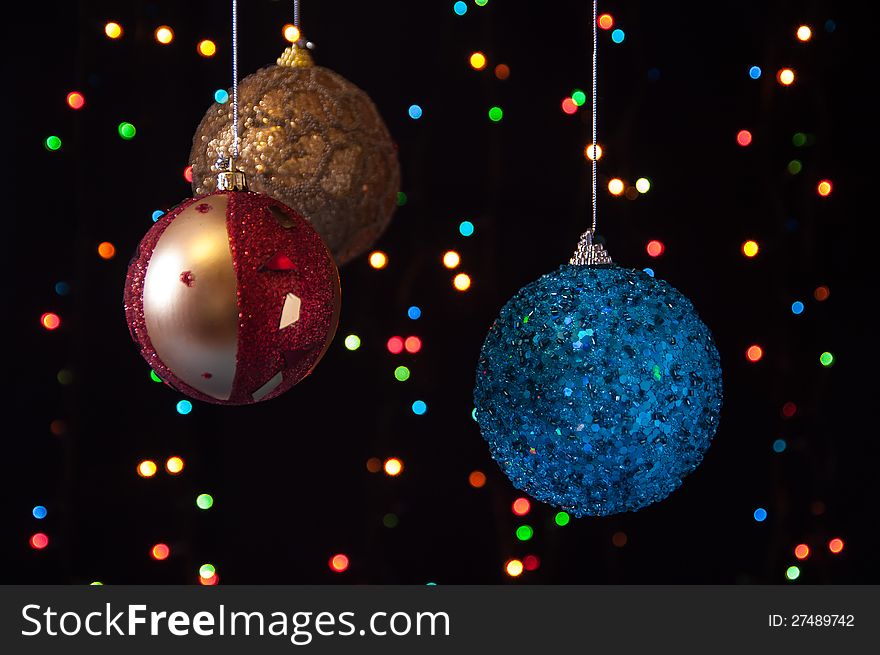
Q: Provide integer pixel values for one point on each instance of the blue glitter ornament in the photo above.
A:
(598, 389)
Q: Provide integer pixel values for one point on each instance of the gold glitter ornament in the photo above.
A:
(314, 141)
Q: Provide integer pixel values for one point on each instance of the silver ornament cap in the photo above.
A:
(589, 253)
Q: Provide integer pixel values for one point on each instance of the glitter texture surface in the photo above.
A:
(260, 230)
(314, 141)
(598, 389)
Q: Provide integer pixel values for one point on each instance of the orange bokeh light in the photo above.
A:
(821, 293)
(393, 466)
(824, 188)
(835, 545)
(743, 137)
(106, 250)
(754, 353)
(75, 100)
(412, 345)
(147, 468)
(339, 563)
(160, 552)
(785, 76)
(502, 71)
(477, 479)
(378, 259)
(605, 21)
(521, 506)
(802, 551)
(655, 248)
(514, 568)
(50, 321)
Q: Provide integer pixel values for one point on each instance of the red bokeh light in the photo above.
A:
(655, 248)
(521, 506)
(395, 345)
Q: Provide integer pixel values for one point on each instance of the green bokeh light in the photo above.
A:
(390, 520)
(154, 377)
(524, 532)
(578, 97)
(127, 131)
(826, 359)
(799, 139)
(795, 166)
(792, 573)
(352, 342)
(207, 570)
(496, 114)
(65, 376)
(52, 143)
(562, 518)
(205, 501)
(401, 198)
(401, 373)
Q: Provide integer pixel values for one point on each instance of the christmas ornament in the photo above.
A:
(314, 141)
(598, 387)
(232, 297)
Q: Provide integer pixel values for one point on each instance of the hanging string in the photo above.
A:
(595, 146)
(296, 16)
(234, 85)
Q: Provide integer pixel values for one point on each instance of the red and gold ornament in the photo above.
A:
(232, 297)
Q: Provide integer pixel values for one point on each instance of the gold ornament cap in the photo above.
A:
(231, 181)
(296, 55)
(589, 253)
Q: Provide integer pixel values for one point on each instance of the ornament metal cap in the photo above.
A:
(589, 253)
(231, 181)
(297, 55)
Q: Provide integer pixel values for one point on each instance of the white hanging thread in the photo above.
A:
(595, 146)
(234, 85)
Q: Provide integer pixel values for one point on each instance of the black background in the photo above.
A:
(288, 476)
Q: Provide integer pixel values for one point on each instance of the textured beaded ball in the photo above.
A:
(232, 298)
(598, 389)
(314, 141)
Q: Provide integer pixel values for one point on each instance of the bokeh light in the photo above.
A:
(802, 551)
(792, 573)
(412, 345)
(414, 313)
(513, 568)
(643, 185)
(390, 520)
(836, 545)
(579, 97)
(477, 479)
(374, 465)
(401, 199)
(754, 353)
(789, 409)
(804, 33)
(378, 259)
(50, 321)
(154, 376)
(52, 143)
(291, 33)
(75, 100)
(779, 446)
(826, 359)
(39, 541)
(531, 562)
(466, 228)
(618, 36)
(419, 407)
(58, 427)
(395, 345)
(106, 250)
(415, 112)
(401, 373)
(619, 539)
(174, 465)
(393, 466)
(477, 61)
(755, 72)
(655, 248)
(451, 259)
(495, 114)
(62, 288)
(126, 130)
(785, 76)
(605, 21)
(160, 552)
(521, 506)
(39, 512)
(760, 514)
(799, 139)
(524, 532)
(750, 248)
(743, 137)
(188, 174)
(562, 519)
(569, 106)
(204, 501)
(502, 71)
(794, 166)
(821, 293)
(147, 468)
(824, 188)
(113, 30)
(352, 342)
(460, 8)
(589, 150)
(797, 308)
(210, 581)
(164, 35)
(339, 563)
(207, 48)
(207, 570)
(462, 282)
(184, 407)
(615, 186)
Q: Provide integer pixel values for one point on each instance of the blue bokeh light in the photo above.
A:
(618, 36)
(419, 407)
(415, 112)
(760, 514)
(221, 96)
(414, 312)
(62, 288)
(779, 445)
(184, 407)
(460, 8)
(755, 72)
(157, 215)
(40, 512)
(797, 307)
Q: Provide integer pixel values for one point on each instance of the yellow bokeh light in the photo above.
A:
(147, 468)
(462, 282)
(393, 466)
(291, 32)
(804, 33)
(451, 259)
(478, 61)
(207, 48)
(113, 30)
(164, 35)
(514, 568)
(378, 259)
(785, 76)
(615, 186)
(643, 185)
(174, 465)
(588, 151)
(750, 248)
